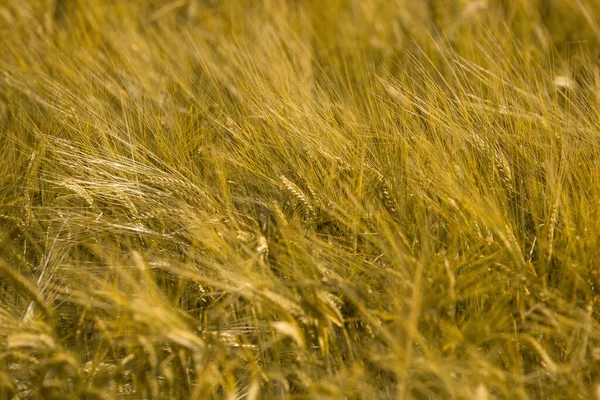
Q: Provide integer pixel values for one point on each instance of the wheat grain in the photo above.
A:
(299, 195)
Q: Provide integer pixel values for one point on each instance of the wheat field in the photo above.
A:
(285, 199)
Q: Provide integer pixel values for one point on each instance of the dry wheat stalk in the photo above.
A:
(504, 170)
(299, 195)
(384, 191)
(551, 227)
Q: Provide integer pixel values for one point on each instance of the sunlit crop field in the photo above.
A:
(319, 199)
